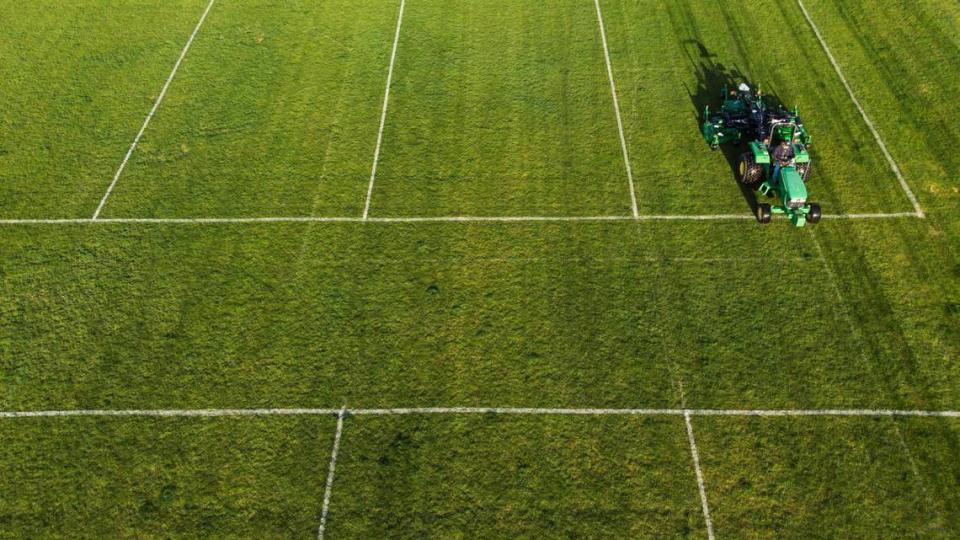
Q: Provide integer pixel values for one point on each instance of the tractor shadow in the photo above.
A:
(712, 78)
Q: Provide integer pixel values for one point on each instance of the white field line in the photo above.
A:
(437, 219)
(874, 216)
(700, 484)
(328, 490)
(153, 111)
(616, 109)
(876, 135)
(890, 413)
(383, 113)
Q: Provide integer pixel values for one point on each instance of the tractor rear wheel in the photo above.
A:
(751, 172)
(804, 170)
(814, 215)
(764, 213)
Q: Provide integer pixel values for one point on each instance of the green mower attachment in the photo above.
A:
(777, 161)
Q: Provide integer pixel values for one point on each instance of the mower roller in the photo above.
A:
(776, 162)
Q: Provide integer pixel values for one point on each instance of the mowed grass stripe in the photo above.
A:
(501, 109)
(76, 81)
(880, 142)
(903, 62)
(706, 46)
(274, 113)
(901, 277)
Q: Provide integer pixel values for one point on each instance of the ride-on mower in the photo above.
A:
(776, 163)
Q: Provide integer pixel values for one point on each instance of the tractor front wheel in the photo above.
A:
(764, 213)
(814, 215)
(751, 172)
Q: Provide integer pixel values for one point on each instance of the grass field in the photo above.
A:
(461, 209)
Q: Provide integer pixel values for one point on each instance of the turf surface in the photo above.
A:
(163, 477)
(678, 57)
(497, 109)
(843, 477)
(76, 81)
(275, 113)
(520, 121)
(557, 477)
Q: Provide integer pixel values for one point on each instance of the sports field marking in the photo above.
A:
(330, 474)
(383, 114)
(439, 219)
(773, 413)
(153, 111)
(695, 454)
(876, 135)
(616, 109)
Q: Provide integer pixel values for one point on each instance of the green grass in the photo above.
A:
(521, 118)
(497, 108)
(77, 81)
(274, 113)
(470, 476)
(672, 56)
(168, 477)
(853, 478)
(276, 320)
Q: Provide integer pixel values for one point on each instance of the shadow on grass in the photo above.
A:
(712, 78)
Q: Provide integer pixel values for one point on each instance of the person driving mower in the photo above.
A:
(782, 155)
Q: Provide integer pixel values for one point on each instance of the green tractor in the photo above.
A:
(777, 162)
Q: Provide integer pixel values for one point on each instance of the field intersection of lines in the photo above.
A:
(466, 268)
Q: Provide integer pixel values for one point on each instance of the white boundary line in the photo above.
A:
(328, 490)
(383, 114)
(616, 109)
(772, 413)
(156, 105)
(695, 454)
(437, 219)
(876, 135)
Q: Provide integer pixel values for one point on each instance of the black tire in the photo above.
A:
(751, 172)
(815, 214)
(764, 213)
(804, 170)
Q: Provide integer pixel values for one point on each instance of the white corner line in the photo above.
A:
(383, 113)
(700, 483)
(772, 413)
(616, 109)
(876, 135)
(153, 111)
(328, 490)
